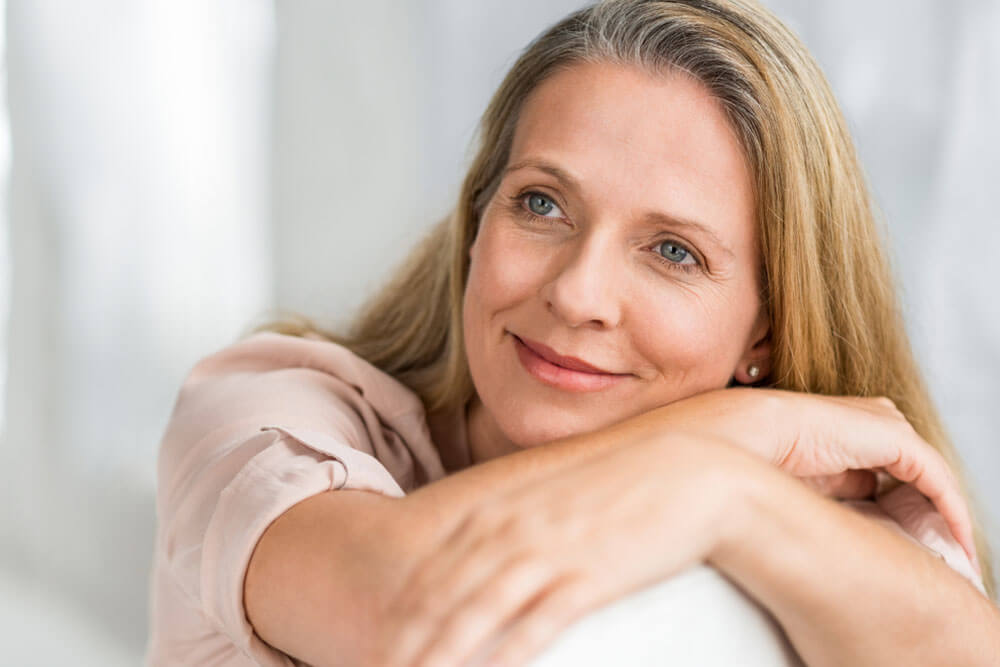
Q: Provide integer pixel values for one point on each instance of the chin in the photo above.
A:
(539, 427)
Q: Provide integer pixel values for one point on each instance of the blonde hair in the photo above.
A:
(836, 325)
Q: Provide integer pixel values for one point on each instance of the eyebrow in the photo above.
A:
(658, 217)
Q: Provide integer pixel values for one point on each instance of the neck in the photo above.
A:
(486, 440)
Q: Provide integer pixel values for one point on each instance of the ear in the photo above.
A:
(758, 352)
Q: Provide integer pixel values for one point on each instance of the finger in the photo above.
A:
(537, 626)
(483, 614)
(888, 441)
(467, 559)
(847, 485)
(924, 467)
(931, 476)
(455, 546)
(436, 597)
(908, 457)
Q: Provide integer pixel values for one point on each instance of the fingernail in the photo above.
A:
(975, 564)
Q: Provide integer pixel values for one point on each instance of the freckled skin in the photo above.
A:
(584, 279)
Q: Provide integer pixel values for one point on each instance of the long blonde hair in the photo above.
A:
(836, 325)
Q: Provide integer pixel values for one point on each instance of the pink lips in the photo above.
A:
(549, 355)
(567, 373)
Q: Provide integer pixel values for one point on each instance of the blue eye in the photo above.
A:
(675, 256)
(540, 204)
(675, 253)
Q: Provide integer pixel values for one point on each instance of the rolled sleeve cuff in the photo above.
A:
(297, 465)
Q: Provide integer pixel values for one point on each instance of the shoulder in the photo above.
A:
(270, 354)
(300, 386)
(278, 375)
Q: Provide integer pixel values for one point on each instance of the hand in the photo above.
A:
(834, 443)
(535, 559)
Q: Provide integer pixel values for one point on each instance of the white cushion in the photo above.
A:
(695, 618)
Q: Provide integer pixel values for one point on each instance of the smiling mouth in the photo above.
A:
(570, 363)
(566, 373)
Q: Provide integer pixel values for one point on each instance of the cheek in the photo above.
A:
(505, 271)
(688, 336)
(672, 328)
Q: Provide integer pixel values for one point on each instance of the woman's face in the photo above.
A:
(621, 234)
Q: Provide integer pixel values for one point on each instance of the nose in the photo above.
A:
(586, 283)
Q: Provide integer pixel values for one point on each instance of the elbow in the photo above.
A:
(316, 584)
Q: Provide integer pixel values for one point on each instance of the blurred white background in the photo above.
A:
(173, 169)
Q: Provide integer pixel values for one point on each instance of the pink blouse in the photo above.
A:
(272, 420)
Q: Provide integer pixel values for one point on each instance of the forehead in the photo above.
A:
(638, 142)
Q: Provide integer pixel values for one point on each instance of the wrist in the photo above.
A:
(725, 414)
(749, 482)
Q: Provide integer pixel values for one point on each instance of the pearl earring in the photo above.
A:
(753, 371)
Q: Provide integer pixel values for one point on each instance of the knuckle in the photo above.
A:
(572, 602)
(470, 619)
(419, 615)
(905, 430)
(572, 598)
(425, 608)
(538, 628)
(891, 405)
(489, 522)
(526, 572)
(887, 404)
(546, 619)
(484, 517)
(510, 528)
(522, 527)
(910, 468)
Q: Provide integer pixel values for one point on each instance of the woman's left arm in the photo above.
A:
(531, 561)
(849, 591)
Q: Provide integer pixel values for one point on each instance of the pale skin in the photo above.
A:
(583, 249)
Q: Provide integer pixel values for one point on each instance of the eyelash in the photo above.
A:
(520, 207)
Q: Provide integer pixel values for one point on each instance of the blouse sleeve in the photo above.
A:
(240, 450)
(909, 512)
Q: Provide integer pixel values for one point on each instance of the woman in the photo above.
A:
(658, 307)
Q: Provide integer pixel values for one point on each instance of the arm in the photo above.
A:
(294, 556)
(311, 564)
(849, 591)
(532, 563)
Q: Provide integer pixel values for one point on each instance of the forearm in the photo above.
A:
(850, 591)
(311, 563)
(448, 500)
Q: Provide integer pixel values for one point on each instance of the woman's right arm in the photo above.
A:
(353, 549)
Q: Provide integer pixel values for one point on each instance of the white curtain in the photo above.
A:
(179, 166)
(138, 209)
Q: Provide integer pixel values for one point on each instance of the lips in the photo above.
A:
(571, 363)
